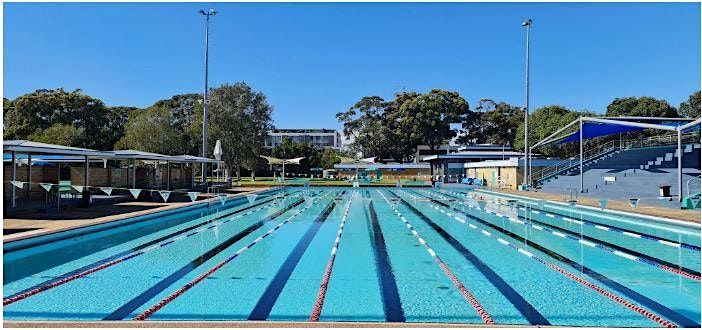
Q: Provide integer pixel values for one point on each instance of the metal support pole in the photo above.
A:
(680, 159)
(582, 189)
(87, 174)
(205, 100)
(133, 172)
(168, 175)
(14, 177)
(29, 176)
(526, 23)
(192, 175)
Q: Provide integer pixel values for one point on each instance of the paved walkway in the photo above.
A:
(76, 217)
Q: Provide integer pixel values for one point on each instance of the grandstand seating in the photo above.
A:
(636, 172)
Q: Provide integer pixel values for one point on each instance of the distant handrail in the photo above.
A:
(613, 145)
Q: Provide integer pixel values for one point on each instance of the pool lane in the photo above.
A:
(357, 273)
(426, 293)
(298, 296)
(95, 297)
(228, 287)
(662, 251)
(668, 232)
(132, 252)
(601, 274)
(38, 259)
(531, 314)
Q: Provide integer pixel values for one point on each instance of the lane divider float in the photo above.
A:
(643, 260)
(622, 301)
(153, 309)
(484, 315)
(321, 294)
(27, 294)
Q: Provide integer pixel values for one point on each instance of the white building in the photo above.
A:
(321, 138)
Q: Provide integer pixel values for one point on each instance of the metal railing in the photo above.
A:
(687, 185)
(611, 146)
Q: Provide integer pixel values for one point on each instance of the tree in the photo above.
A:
(152, 130)
(428, 116)
(330, 157)
(186, 110)
(691, 108)
(363, 124)
(497, 125)
(61, 134)
(39, 110)
(241, 118)
(288, 149)
(542, 123)
(640, 107)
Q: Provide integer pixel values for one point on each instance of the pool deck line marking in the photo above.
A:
(530, 313)
(322, 292)
(105, 265)
(484, 315)
(153, 309)
(392, 304)
(128, 254)
(265, 303)
(622, 301)
(616, 229)
(599, 244)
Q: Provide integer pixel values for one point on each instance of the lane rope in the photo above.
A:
(591, 244)
(610, 228)
(153, 309)
(24, 295)
(484, 315)
(622, 301)
(321, 294)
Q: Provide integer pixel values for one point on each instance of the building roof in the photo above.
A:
(382, 166)
(38, 148)
(303, 130)
(474, 154)
(512, 162)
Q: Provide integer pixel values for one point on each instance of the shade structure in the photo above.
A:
(593, 130)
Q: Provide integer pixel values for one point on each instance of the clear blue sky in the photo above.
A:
(313, 60)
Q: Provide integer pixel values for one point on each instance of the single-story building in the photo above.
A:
(505, 174)
(400, 171)
(449, 167)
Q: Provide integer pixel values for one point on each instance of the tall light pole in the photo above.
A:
(526, 23)
(205, 102)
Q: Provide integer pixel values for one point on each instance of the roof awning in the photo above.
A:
(593, 130)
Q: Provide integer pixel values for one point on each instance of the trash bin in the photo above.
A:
(665, 191)
(86, 198)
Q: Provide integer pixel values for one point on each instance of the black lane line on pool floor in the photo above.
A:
(150, 293)
(275, 287)
(134, 249)
(608, 245)
(392, 305)
(523, 306)
(645, 236)
(638, 297)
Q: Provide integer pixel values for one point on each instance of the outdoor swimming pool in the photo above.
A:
(365, 254)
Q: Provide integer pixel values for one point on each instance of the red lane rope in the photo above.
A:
(487, 319)
(111, 263)
(622, 301)
(322, 293)
(153, 309)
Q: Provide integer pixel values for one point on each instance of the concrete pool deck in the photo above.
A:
(80, 217)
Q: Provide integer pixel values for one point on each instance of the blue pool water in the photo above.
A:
(401, 255)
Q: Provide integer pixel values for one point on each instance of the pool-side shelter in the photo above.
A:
(20, 150)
